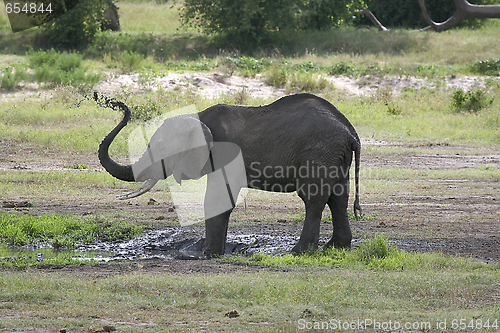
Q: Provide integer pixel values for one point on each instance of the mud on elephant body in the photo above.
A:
(299, 143)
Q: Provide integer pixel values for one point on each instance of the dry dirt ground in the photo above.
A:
(457, 216)
(213, 84)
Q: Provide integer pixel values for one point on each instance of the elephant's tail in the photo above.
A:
(357, 153)
(122, 172)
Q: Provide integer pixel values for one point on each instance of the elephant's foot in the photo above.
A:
(214, 248)
(214, 251)
(210, 254)
(339, 243)
(304, 247)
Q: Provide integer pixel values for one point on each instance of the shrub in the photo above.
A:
(62, 230)
(306, 82)
(60, 68)
(277, 77)
(341, 69)
(146, 111)
(472, 100)
(130, 60)
(378, 248)
(8, 79)
(487, 67)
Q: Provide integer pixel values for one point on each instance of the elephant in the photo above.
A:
(299, 143)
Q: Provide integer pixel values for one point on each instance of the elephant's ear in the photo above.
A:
(189, 163)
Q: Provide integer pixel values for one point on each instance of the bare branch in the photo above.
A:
(464, 10)
(374, 20)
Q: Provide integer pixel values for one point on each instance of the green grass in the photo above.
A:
(138, 17)
(425, 116)
(64, 122)
(376, 253)
(28, 240)
(267, 301)
(62, 230)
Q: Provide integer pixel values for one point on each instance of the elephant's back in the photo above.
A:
(296, 122)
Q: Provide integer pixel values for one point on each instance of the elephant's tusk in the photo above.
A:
(144, 188)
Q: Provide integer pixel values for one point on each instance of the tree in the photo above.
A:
(251, 23)
(75, 29)
(464, 10)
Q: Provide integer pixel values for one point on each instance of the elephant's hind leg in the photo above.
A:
(310, 232)
(342, 235)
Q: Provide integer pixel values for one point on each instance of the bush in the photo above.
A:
(378, 248)
(60, 68)
(341, 69)
(276, 77)
(472, 100)
(130, 60)
(12, 76)
(487, 67)
(306, 82)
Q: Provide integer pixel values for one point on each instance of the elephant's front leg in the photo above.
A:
(220, 200)
(310, 232)
(216, 234)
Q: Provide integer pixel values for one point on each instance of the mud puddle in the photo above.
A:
(187, 244)
(46, 252)
(169, 244)
(179, 243)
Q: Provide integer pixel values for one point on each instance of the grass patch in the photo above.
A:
(71, 186)
(377, 253)
(62, 230)
(266, 300)
(77, 166)
(69, 124)
(487, 67)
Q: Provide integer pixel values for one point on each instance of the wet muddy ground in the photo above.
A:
(453, 216)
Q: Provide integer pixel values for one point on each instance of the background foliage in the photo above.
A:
(76, 29)
(248, 23)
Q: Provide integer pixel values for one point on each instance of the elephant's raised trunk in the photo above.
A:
(122, 172)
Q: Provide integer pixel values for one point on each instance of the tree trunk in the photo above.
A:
(111, 19)
(464, 10)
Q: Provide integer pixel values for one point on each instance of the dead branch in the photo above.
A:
(464, 10)
(374, 20)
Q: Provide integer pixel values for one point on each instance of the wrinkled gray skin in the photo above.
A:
(295, 131)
